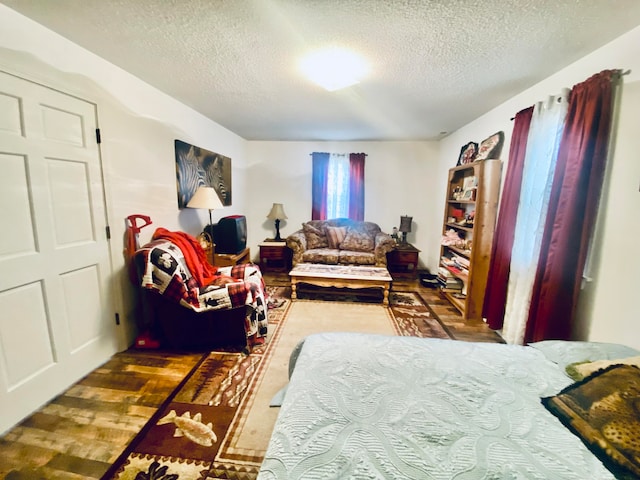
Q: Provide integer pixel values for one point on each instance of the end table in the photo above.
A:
(230, 259)
(403, 260)
(275, 256)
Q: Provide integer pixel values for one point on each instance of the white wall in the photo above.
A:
(606, 311)
(139, 125)
(609, 305)
(399, 180)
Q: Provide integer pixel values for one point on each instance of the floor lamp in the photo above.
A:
(206, 197)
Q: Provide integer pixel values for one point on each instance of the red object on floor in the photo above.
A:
(145, 340)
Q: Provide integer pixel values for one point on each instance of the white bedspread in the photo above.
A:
(376, 407)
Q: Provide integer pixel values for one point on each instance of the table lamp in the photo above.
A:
(206, 197)
(405, 227)
(277, 214)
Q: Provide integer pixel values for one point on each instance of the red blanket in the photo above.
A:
(194, 255)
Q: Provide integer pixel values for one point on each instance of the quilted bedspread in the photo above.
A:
(378, 407)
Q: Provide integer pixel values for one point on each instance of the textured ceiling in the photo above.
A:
(436, 64)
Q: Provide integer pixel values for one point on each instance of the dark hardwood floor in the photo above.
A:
(80, 433)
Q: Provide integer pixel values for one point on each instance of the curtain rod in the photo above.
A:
(622, 73)
(365, 154)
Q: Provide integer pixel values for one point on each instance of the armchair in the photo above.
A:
(189, 304)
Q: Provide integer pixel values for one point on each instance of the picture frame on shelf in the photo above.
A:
(468, 153)
(490, 147)
(468, 195)
(469, 183)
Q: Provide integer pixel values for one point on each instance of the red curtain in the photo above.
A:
(495, 297)
(320, 170)
(356, 186)
(575, 195)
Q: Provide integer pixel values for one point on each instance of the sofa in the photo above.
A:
(340, 241)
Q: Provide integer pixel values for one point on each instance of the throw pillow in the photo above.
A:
(565, 352)
(357, 240)
(316, 237)
(335, 236)
(580, 370)
(604, 411)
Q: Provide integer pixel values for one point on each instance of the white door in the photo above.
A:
(56, 322)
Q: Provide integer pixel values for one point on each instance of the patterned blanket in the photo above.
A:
(162, 267)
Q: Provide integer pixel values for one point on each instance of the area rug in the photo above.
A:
(217, 423)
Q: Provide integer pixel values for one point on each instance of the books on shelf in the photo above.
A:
(455, 284)
(461, 261)
(444, 272)
(448, 281)
(455, 266)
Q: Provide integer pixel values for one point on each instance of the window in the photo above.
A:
(338, 186)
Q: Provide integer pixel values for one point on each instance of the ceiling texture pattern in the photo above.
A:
(435, 64)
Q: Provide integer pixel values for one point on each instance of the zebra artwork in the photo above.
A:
(197, 167)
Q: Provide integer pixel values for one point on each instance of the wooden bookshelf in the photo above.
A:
(472, 218)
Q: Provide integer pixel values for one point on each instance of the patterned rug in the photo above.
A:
(191, 437)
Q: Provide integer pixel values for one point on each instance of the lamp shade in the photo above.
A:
(205, 197)
(405, 224)
(277, 212)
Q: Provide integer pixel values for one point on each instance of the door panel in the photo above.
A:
(71, 208)
(23, 363)
(81, 289)
(56, 320)
(10, 114)
(20, 237)
(62, 126)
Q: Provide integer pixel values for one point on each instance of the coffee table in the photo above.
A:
(347, 276)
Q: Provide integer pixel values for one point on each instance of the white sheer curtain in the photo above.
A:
(543, 142)
(338, 186)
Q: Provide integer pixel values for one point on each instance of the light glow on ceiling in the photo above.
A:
(334, 68)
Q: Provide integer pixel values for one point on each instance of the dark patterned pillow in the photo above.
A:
(604, 411)
(335, 236)
(357, 240)
(316, 237)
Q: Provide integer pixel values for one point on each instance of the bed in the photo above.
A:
(390, 407)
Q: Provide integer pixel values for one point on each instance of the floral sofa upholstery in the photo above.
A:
(340, 241)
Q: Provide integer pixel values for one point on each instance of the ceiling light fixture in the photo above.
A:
(334, 68)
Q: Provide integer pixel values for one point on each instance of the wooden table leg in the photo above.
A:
(385, 293)
(294, 295)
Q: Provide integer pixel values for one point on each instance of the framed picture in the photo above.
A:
(468, 153)
(197, 167)
(491, 147)
(468, 194)
(469, 183)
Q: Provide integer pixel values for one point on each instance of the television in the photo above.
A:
(229, 234)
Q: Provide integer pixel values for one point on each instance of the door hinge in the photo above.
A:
(107, 230)
(117, 319)
(98, 137)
